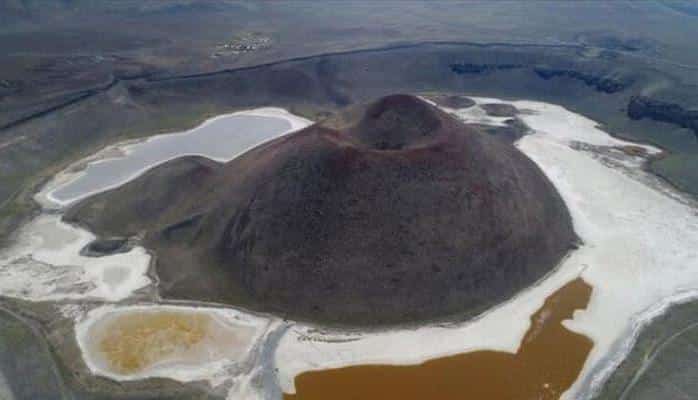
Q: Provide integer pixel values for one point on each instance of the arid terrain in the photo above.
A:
(140, 259)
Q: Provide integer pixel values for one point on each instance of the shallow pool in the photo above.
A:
(221, 139)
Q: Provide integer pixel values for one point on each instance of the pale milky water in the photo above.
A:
(220, 139)
(44, 263)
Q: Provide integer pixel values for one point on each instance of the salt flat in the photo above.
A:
(639, 251)
(184, 343)
(45, 264)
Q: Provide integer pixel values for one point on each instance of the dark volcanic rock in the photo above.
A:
(386, 213)
(514, 130)
(600, 83)
(500, 110)
(105, 247)
(452, 101)
(645, 107)
(470, 68)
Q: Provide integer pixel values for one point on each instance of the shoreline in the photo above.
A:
(535, 369)
(597, 137)
(178, 370)
(45, 197)
(597, 376)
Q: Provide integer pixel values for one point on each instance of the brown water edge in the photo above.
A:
(547, 363)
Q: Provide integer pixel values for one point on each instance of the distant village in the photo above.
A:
(244, 43)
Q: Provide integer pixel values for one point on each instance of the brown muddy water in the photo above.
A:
(547, 363)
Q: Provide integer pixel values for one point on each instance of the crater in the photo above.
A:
(304, 225)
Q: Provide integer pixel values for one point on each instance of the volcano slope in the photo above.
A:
(389, 212)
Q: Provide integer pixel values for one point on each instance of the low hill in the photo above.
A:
(388, 212)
